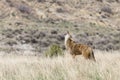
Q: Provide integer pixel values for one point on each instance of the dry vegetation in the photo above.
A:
(101, 12)
(29, 27)
(37, 24)
(14, 67)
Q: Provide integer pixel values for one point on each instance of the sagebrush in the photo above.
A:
(54, 50)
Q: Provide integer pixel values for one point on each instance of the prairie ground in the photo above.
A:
(106, 67)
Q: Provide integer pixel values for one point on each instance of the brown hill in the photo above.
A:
(101, 12)
(34, 25)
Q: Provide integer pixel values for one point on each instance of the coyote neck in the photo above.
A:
(68, 43)
(66, 39)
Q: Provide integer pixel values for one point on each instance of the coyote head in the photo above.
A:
(67, 36)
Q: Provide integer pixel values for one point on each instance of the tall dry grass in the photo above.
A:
(14, 67)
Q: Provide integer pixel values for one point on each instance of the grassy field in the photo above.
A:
(106, 67)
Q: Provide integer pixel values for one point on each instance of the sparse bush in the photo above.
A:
(24, 8)
(100, 0)
(107, 9)
(54, 32)
(61, 10)
(112, 1)
(11, 42)
(54, 50)
(60, 37)
(41, 1)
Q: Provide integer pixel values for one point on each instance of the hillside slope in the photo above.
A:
(34, 25)
(102, 12)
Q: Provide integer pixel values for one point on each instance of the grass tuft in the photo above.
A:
(54, 50)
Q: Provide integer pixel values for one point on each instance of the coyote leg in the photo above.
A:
(73, 55)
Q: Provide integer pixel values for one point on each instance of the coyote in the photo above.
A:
(78, 49)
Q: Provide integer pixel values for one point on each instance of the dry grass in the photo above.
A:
(14, 67)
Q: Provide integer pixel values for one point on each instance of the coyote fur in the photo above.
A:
(78, 49)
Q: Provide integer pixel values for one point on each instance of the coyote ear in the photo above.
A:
(68, 32)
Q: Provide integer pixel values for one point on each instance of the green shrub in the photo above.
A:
(54, 50)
